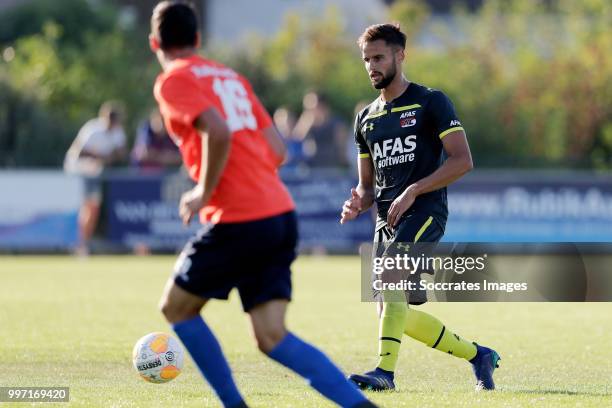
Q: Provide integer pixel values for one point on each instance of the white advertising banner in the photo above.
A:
(39, 209)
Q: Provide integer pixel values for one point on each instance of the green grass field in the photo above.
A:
(71, 322)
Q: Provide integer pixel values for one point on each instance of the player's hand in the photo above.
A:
(399, 206)
(191, 202)
(351, 208)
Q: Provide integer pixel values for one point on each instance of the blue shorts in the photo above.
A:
(255, 257)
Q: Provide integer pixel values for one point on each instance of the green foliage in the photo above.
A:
(76, 17)
(532, 83)
(28, 133)
(59, 327)
(411, 15)
(308, 53)
(531, 80)
(58, 79)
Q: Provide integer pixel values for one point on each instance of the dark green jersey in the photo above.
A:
(404, 140)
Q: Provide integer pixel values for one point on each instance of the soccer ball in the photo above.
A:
(158, 357)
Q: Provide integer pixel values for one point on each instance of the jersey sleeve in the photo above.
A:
(443, 113)
(84, 136)
(181, 99)
(362, 146)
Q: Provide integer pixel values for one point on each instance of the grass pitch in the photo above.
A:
(71, 322)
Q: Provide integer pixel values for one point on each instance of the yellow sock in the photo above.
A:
(391, 329)
(429, 330)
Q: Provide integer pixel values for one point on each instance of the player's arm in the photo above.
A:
(78, 149)
(458, 163)
(362, 196)
(216, 139)
(264, 121)
(78, 159)
(365, 188)
(83, 153)
(275, 141)
(74, 150)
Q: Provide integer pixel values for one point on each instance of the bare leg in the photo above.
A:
(268, 323)
(177, 304)
(182, 310)
(88, 220)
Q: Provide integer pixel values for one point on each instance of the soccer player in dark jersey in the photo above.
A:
(411, 146)
(231, 150)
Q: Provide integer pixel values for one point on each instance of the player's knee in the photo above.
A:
(395, 309)
(166, 309)
(269, 338)
(174, 312)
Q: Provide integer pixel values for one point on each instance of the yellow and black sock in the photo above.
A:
(391, 328)
(429, 330)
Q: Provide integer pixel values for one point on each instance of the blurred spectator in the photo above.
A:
(153, 148)
(351, 147)
(323, 133)
(100, 143)
(285, 120)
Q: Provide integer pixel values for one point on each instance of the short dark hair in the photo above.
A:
(389, 32)
(174, 24)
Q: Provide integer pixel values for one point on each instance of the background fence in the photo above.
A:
(39, 210)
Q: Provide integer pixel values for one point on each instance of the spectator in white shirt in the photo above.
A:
(101, 142)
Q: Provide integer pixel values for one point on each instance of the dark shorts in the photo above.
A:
(255, 257)
(93, 188)
(413, 227)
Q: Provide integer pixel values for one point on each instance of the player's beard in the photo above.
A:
(387, 77)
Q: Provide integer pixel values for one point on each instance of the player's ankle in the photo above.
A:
(385, 372)
(242, 404)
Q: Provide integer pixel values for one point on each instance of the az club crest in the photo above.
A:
(408, 119)
(407, 122)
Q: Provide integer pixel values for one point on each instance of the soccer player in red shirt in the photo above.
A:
(249, 238)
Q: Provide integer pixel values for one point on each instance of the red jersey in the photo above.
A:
(249, 188)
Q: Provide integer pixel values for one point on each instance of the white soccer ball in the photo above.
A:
(158, 357)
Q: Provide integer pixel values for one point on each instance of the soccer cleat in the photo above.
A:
(483, 365)
(377, 380)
